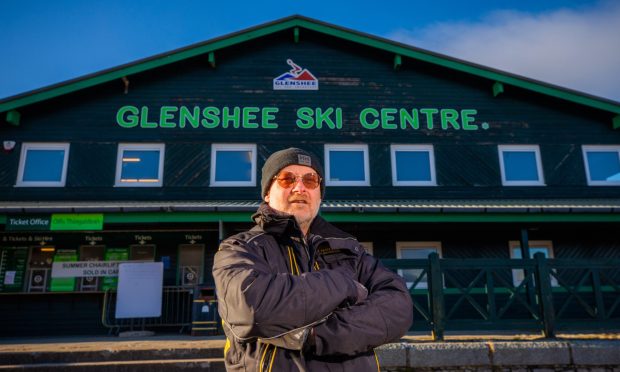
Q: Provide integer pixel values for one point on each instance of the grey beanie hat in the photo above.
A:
(284, 158)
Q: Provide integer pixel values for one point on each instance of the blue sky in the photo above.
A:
(569, 43)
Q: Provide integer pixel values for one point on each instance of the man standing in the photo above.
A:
(296, 293)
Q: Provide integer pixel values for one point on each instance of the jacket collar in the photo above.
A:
(279, 223)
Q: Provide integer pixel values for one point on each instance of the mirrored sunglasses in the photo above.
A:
(288, 179)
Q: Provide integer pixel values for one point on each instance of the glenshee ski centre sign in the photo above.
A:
(296, 79)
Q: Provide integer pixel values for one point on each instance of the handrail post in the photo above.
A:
(545, 295)
(436, 296)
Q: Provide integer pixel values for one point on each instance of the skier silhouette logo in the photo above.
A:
(297, 78)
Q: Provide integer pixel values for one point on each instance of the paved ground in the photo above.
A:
(175, 341)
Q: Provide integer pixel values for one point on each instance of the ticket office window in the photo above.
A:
(142, 252)
(40, 268)
(91, 253)
(191, 264)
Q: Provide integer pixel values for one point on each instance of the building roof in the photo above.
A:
(297, 24)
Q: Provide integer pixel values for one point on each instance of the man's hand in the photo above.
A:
(293, 340)
(362, 292)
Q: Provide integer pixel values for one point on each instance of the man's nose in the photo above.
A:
(299, 185)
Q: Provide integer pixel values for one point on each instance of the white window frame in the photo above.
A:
(517, 274)
(233, 147)
(598, 148)
(521, 148)
(413, 148)
(346, 147)
(161, 147)
(42, 146)
(368, 247)
(400, 246)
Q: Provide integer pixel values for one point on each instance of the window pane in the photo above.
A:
(233, 165)
(413, 166)
(412, 275)
(140, 165)
(346, 166)
(520, 166)
(604, 166)
(516, 252)
(44, 165)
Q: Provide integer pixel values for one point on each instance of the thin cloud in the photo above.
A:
(577, 49)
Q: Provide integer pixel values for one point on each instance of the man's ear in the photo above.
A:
(267, 198)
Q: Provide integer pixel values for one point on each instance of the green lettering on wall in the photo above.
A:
(325, 117)
(409, 119)
(369, 125)
(429, 112)
(144, 118)
(467, 117)
(211, 117)
(233, 117)
(269, 115)
(305, 119)
(387, 118)
(249, 114)
(166, 113)
(449, 116)
(186, 116)
(127, 116)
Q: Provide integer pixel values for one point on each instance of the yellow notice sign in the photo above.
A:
(77, 221)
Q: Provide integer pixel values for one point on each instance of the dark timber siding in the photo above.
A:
(351, 77)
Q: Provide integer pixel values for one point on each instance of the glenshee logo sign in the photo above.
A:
(296, 79)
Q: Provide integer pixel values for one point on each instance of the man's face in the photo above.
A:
(298, 200)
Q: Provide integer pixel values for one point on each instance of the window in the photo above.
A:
(43, 165)
(416, 250)
(346, 165)
(602, 165)
(413, 165)
(543, 246)
(368, 246)
(140, 165)
(520, 165)
(233, 165)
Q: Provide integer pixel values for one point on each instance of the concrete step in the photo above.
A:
(186, 365)
(108, 355)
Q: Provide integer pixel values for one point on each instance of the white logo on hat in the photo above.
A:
(304, 160)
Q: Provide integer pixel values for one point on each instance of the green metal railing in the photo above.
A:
(536, 294)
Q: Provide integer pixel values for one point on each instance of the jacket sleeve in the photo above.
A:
(385, 315)
(254, 301)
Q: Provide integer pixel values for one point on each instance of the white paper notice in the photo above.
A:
(140, 287)
(9, 277)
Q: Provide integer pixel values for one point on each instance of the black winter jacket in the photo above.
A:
(271, 280)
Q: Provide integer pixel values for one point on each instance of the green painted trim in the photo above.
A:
(287, 23)
(616, 121)
(398, 61)
(296, 34)
(498, 88)
(211, 59)
(13, 117)
(469, 217)
(172, 217)
(177, 217)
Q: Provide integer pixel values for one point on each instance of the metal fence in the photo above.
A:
(512, 294)
(176, 311)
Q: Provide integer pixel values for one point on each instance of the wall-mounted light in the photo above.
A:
(8, 146)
